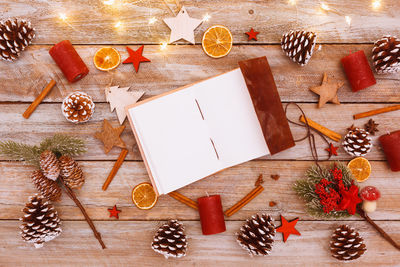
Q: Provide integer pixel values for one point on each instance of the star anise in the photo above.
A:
(371, 127)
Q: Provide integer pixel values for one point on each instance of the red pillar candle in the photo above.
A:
(391, 146)
(69, 61)
(358, 71)
(211, 215)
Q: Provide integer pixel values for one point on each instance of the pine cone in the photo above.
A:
(15, 36)
(357, 142)
(71, 172)
(299, 45)
(47, 188)
(49, 165)
(386, 55)
(78, 107)
(257, 235)
(170, 240)
(40, 222)
(347, 244)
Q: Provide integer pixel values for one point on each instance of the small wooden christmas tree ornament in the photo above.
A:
(119, 98)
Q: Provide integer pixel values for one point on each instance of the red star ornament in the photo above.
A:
(114, 212)
(252, 34)
(332, 150)
(350, 200)
(135, 57)
(287, 228)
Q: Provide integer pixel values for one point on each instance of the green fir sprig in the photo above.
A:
(305, 189)
(59, 144)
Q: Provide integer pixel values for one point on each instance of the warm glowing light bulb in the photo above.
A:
(325, 6)
(108, 2)
(348, 20)
(292, 2)
(118, 24)
(163, 46)
(206, 17)
(62, 16)
(152, 20)
(376, 4)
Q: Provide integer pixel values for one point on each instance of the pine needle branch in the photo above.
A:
(305, 189)
(20, 152)
(58, 144)
(63, 145)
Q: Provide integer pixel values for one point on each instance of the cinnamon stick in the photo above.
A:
(72, 195)
(185, 200)
(244, 201)
(375, 112)
(38, 99)
(380, 230)
(115, 169)
(325, 131)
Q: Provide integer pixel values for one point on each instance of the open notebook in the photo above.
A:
(198, 130)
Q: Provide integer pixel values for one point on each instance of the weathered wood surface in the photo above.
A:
(90, 25)
(48, 119)
(93, 22)
(181, 65)
(129, 245)
(232, 184)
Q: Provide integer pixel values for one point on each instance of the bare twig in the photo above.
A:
(72, 195)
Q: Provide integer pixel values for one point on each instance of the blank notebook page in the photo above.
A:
(172, 129)
(231, 119)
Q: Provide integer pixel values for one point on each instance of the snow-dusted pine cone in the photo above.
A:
(346, 244)
(170, 240)
(40, 222)
(357, 142)
(15, 36)
(386, 55)
(71, 172)
(257, 235)
(78, 107)
(48, 188)
(299, 45)
(49, 165)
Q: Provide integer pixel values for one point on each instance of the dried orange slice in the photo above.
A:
(217, 41)
(144, 196)
(360, 168)
(107, 58)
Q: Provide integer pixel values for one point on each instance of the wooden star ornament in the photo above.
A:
(110, 136)
(252, 34)
(182, 26)
(114, 212)
(287, 228)
(327, 91)
(332, 150)
(135, 57)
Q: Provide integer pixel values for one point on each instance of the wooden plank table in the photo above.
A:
(90, 25)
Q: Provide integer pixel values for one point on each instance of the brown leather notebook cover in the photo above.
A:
(267, 104)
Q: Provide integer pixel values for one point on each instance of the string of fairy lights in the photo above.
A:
(323, 8)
